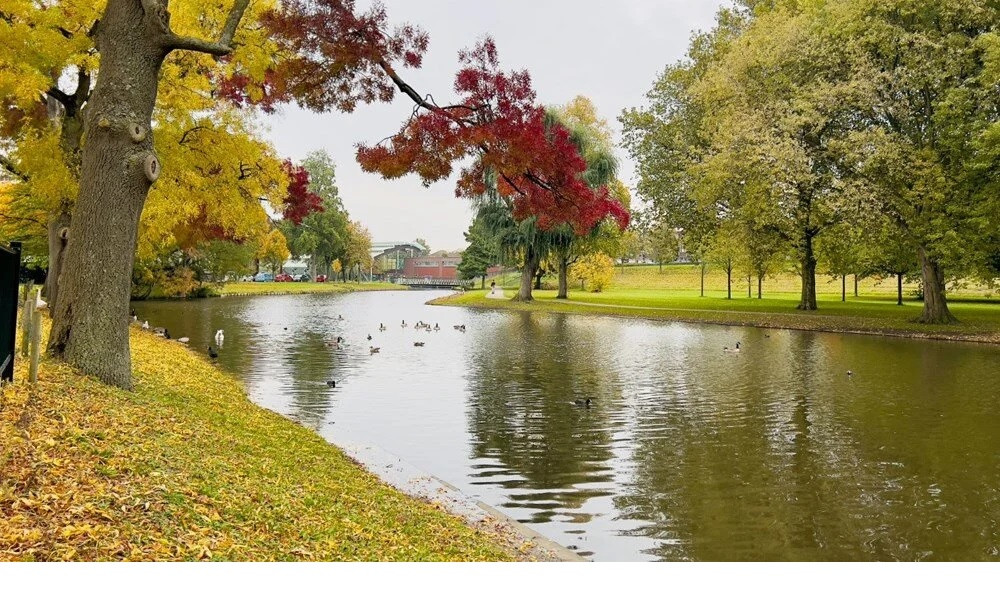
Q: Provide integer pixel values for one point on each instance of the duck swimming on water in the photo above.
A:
(728, 349)
(212, 353)
(583, 402)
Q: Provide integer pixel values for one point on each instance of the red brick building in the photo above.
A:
(432, 267)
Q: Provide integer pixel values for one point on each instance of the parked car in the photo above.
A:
(283, 278)
(320, 278)
(303, 278)
(263, 277)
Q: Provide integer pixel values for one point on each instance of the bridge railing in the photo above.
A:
(427, 282)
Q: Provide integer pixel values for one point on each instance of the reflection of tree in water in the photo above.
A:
(309, 360)
(732, 466)
(525, 379)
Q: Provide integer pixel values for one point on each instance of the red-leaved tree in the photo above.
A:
(299, 201)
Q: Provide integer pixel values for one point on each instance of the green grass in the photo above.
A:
(186, 467)
(674, 295)
(272, 288)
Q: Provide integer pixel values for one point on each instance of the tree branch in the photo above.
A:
(223, 46)
(7, 164)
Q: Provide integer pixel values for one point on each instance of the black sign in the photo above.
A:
(10, 269)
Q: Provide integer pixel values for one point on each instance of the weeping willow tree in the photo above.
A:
(522, 242)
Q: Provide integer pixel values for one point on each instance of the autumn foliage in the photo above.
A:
(331, 57)
(299, 201)
(498, 121)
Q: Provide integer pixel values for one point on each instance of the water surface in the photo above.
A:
(687, 453)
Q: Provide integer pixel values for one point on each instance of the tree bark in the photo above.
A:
(90, 329)
(563, 277)
(118, 165)
(935, 302)
(58, 234)
(702, 279)
(807, 259)
(899, 289)
(531, 262)
(729, 280)
(855, 285)
(749, 286)
(760, 283)
(843, 288)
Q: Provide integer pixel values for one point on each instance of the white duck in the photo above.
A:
(220, 337)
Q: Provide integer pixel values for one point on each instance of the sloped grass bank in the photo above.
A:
(188, 468)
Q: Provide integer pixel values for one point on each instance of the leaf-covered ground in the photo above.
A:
(187, 468)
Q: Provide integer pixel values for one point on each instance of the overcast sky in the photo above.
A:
(608, 51)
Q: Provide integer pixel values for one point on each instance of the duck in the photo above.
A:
(585, 402)
(166, 333)
(381, 327)
(39, 303)
(437, 327)
(331, 383)
(145, 324)
(728, 349)
(340, 340)
(220, 337)
(849, 373)
(418, 343)
(369, 337)
(135, 317)
(403, 324)
(184, 340)
(373, 350)
(340, 317)
(212, 353)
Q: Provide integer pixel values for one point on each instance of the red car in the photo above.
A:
(283, 278)
(320, 278)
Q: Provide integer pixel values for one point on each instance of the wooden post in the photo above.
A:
(26, 313)
(36, 345)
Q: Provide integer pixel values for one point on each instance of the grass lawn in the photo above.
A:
(186, 467)
(309, 287)
(674, 295)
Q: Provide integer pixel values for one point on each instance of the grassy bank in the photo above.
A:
(272, 288)
(871, 314)
(187, 468)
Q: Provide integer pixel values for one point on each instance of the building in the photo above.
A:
(388, 257)
(432, 267)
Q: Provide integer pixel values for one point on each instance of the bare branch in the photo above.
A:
(223, 46)
(7, 164)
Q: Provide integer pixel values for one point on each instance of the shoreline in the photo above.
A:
(187, 467)
(761, 320)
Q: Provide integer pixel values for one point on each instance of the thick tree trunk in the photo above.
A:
(807, 259)
(899, 289)
(58, 234)
(563, 278)
(935, 302)
(90, 328)
(843, 288)
(531, 262)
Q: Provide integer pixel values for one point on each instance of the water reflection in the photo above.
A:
(688, 452)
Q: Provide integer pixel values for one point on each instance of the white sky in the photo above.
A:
(608, 51)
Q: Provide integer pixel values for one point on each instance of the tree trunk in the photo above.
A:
(935, 302)
(843, 288)
(702, 279)
(729, 281)
(855, 285)
(58, 232)
(563, 277)
(531, 262)
(807, 258)
(661, 266)
(90, 327)
(749, 286)
(899, 289)
(538, 277)
(760, 283)
(483, 283)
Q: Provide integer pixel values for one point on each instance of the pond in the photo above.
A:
(687, 452)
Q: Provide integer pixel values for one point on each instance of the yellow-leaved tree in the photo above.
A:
(273, 252)
(594, 271)
(217, 166)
